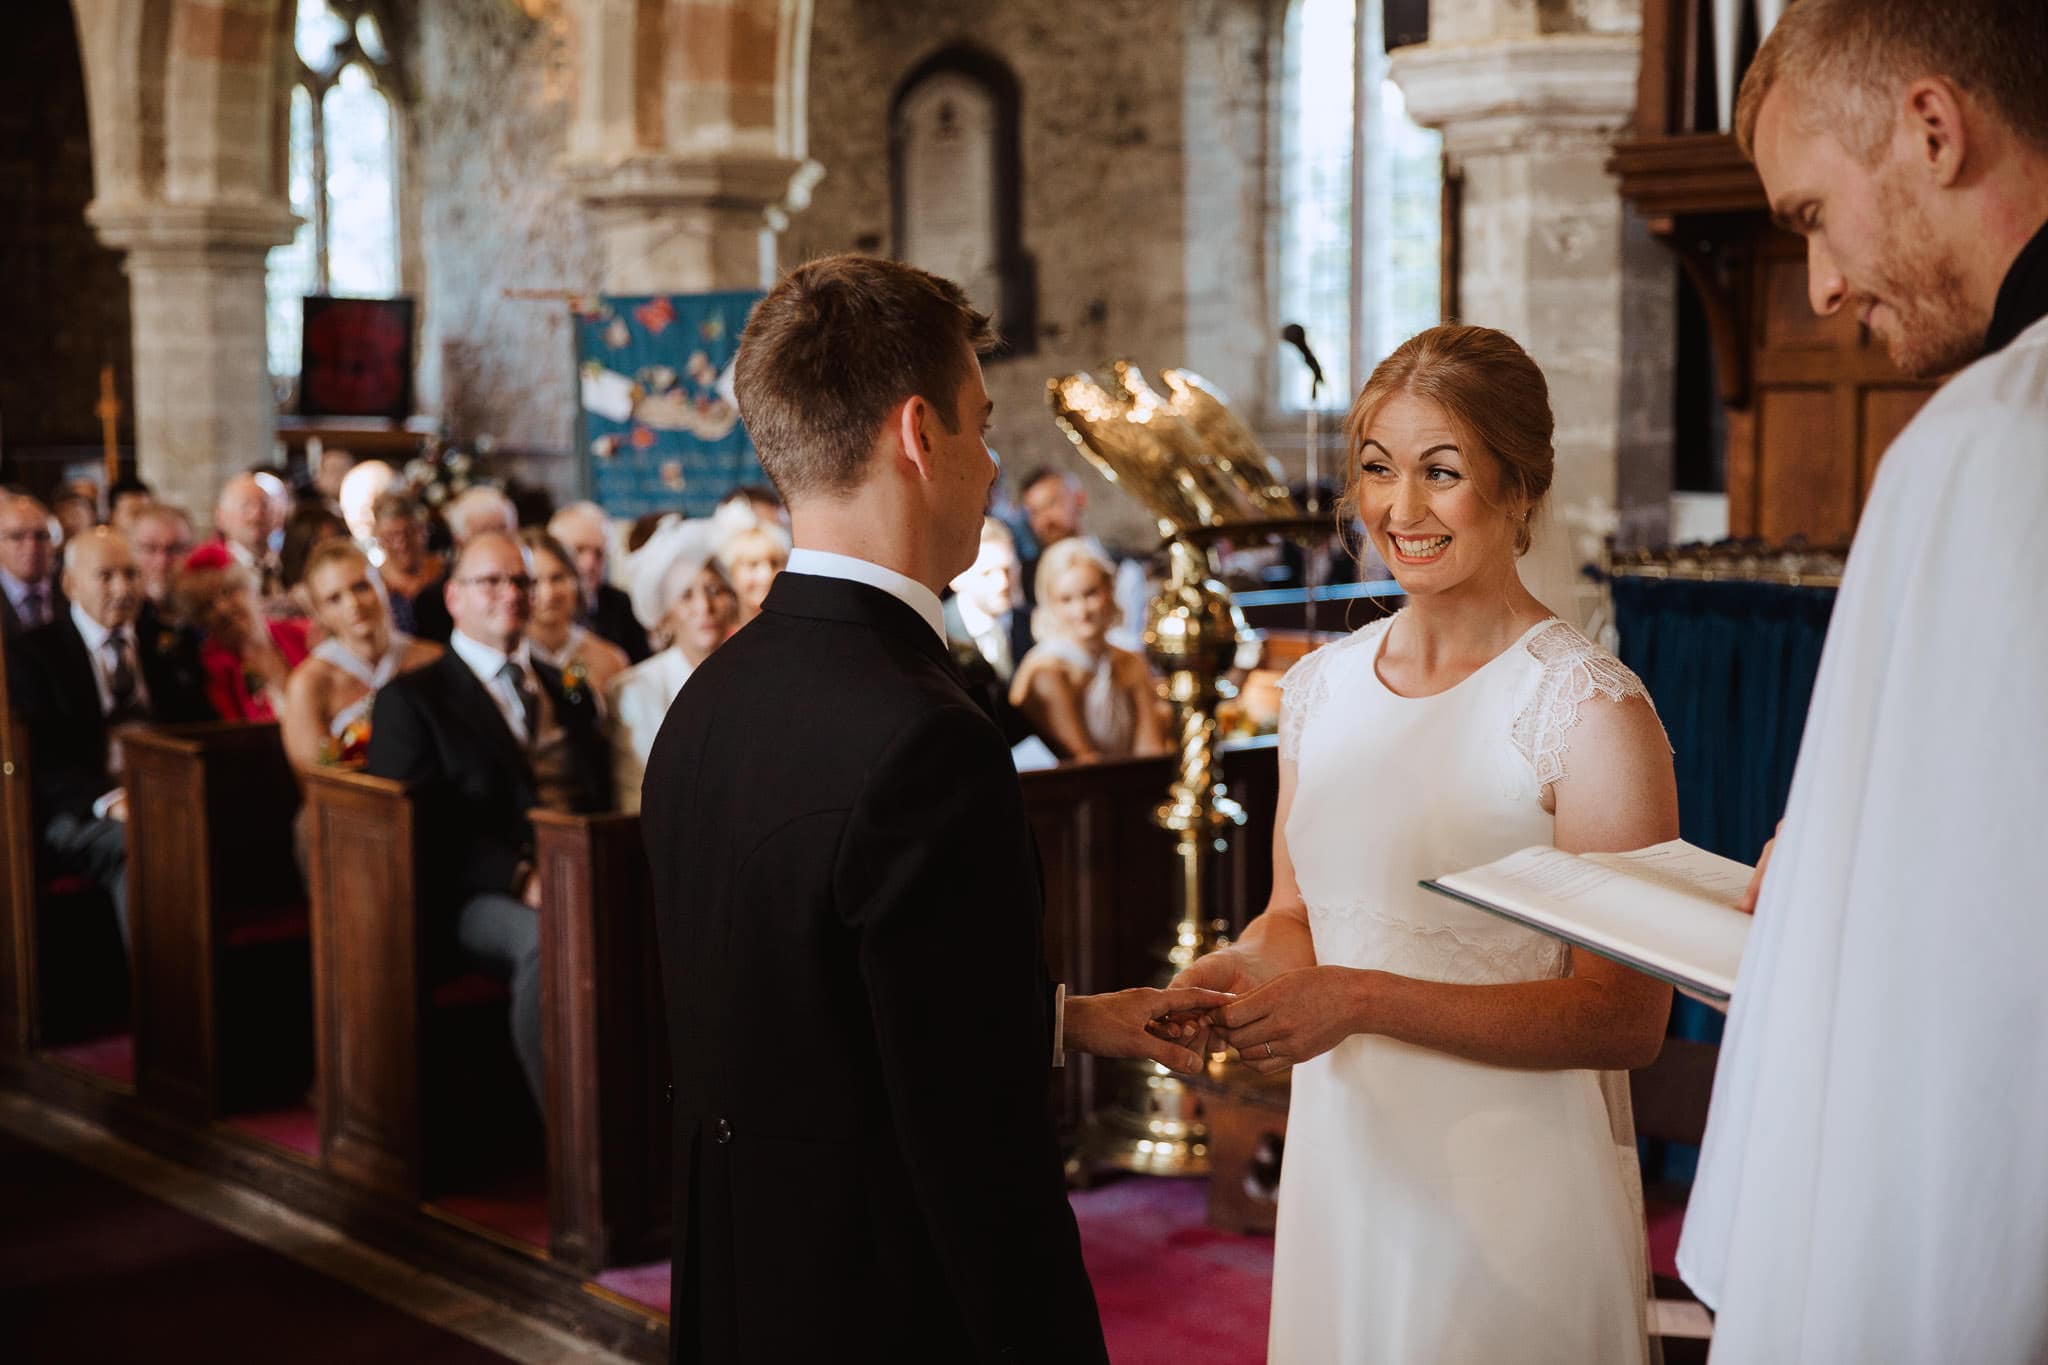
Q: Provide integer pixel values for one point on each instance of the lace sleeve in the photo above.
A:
(1574, 670)
(1301, 691)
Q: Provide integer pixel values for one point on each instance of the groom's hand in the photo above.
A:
(1141, 1023)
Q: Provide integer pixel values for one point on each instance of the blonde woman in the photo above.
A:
(1085, 696)
(750, 560)
(328, 700)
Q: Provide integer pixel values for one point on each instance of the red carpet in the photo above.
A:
(91, 1270)
(295, 1130)
(515, 1206)
(112, 1057)
(1171, 1291)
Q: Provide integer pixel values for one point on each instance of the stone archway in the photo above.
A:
(688, 142)
(187, 108)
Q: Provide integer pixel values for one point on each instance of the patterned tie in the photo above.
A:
(514, 677)
(121, 701)
(35, 606)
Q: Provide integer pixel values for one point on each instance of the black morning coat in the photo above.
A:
(850, 918)
(439, 727)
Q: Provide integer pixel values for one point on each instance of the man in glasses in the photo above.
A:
(28, 589)
(487, 733)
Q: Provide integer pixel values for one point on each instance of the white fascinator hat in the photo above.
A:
(670, 560)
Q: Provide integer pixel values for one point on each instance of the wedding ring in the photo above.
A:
(1269, 1052)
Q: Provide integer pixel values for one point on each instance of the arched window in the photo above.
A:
(1359, 201)
(344, 171)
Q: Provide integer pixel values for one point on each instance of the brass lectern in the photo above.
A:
(1204, 477)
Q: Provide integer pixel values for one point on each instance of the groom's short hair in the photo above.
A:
(833, 349)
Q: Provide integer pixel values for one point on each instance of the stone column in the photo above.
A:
(1546, 252)
(203, 402)
(684, 222)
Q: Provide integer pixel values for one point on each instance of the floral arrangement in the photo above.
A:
(349, 748)
(438, 473)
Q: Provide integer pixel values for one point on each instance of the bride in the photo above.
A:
(1458, 1185)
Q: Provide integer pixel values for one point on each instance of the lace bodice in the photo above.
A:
(1391, 790)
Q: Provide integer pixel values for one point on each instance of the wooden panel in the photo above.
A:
(1807, 472)
(17, 888)
(1787, 317)
(1885, 414)
(209, 848)
(366, 979)
(1110, 877)
(605, 1040)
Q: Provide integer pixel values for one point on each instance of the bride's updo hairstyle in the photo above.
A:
(1496, 401)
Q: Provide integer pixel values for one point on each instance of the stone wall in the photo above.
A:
(487, 132)
(66, 300)
(1142, 130)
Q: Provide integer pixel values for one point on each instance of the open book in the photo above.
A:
(1668, 910)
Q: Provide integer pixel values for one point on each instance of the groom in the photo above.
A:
(848, 893)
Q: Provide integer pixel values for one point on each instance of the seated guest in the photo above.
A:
(76, 511)
(585, 531)
(29, 593)
(330, 472)
(1085, 696)
(487, 733)
(161, 537)
(77, 680)
(310, 526)
(681, 594)
(243, 520)
(126, 497)
(361, 487)
(552, 632)
(471, 513)
(245, 656)
(759, 498)
(410, 573)
(986, 609)
(751, 559)
(1054, 503)
(328, 699)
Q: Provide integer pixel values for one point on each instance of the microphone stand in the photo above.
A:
(1312, 562)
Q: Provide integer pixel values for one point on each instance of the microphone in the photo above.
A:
(1294, 336)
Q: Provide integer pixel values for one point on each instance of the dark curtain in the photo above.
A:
(1731, 668)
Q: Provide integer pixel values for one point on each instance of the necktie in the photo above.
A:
(514, 678)
(121, 704)
(34, 607)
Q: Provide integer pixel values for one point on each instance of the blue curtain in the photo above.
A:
(1731, 668)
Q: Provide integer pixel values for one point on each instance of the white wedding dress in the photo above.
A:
(1435, 1210)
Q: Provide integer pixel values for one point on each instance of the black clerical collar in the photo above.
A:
(2023, 298)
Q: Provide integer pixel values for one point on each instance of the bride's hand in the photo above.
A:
(1236, 970)
(1293, 1017)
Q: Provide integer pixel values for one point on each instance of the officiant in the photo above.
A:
(1872, 1185)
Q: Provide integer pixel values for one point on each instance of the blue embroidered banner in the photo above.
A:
(655, 415)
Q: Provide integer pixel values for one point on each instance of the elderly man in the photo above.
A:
(29, 595)
(360, 488)
(585, 532)
(244, 519)
(488, 733)
(161, 537)
(1873, 1186)
(74, 682)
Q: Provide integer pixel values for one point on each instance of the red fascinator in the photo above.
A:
(212, 555)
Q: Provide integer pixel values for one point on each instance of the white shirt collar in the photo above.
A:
(92, 632)
(485, 661)
(18, 588)
(908, 591)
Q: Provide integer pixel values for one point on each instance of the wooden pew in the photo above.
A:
(367, 984)
(1110, 874)
(213, 887)
(608, 1132)
(604, 1023)
(17, 888)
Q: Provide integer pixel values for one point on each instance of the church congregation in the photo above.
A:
(1342, 682)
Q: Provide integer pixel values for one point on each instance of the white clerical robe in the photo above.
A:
(1874, 1185)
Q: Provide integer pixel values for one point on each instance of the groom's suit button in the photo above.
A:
(723, 1131)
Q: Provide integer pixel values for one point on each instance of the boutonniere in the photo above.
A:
(166, 642)
(575, 683)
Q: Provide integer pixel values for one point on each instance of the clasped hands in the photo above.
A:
(1231, 998)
